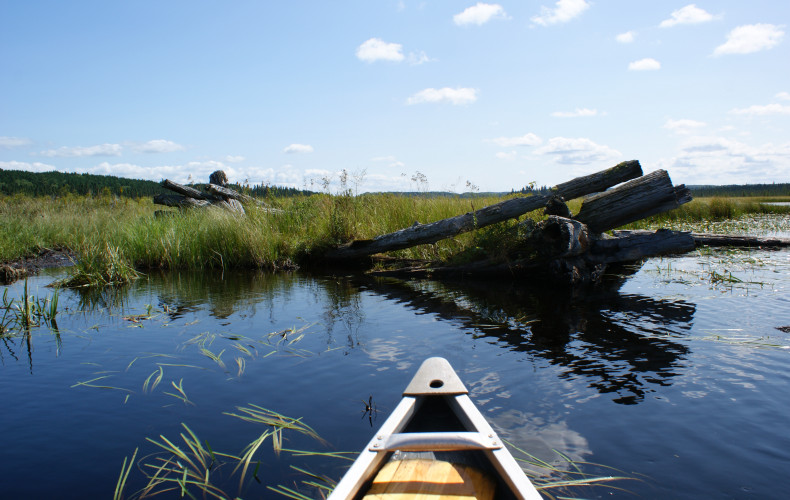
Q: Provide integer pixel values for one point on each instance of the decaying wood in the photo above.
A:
(222, 191)
(568, 264)
(420, 234)
(630, 246)
(218, 195)
(187, 191)
(172, 200)
(599, 181)
(635, 200)
(731, 240)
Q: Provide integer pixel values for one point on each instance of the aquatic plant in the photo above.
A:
(194, 467)
(28, 311)
(564, 479)
(99, 266)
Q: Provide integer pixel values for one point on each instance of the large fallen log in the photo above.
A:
(420, 234)
(173, 200)
(635, 200)
(569, 256)
(732, 240)
(630, 246)
(187, 191)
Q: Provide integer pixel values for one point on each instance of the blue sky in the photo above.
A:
(488, 95)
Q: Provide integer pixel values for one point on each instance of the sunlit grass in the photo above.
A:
(557, 482)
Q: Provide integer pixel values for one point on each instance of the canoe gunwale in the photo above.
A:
(435, 378)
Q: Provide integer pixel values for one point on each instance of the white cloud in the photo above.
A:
(576, 113)
(690, 14)
(234, 159)
(529, 139)
(158, 146)
(647, 64)
(728, 162)
(683, 126)
(377, 49)
(28, 167)
(298, 148)
(79, 151)
(768, 109)
(507, 155)
(480, 14)
(626, 37)
(750, 38)
(456, 96)
(564, 11)
(391, 161)
(417, 58)
(783, 96)
(14, 142)
(577, 151)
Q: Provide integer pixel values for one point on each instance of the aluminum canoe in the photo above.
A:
(435, 445)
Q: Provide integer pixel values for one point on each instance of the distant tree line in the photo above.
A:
(61, 184)
(735, 190)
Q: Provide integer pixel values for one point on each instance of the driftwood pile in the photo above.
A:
(217, 194)
(566, 247)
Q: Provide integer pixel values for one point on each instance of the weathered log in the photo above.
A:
(559, 237)
(173, 200)
(226, 192)
(187, 191)
(231, 204)
(648, 195)
(732, 240)
(629, 246)
(420, 234)
(568, 263)
(599, 181)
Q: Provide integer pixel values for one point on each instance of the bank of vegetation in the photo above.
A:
(106, 231)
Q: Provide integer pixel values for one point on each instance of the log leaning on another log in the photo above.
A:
(173, 200)
(420, 234)
(648, 195)
(187, 191)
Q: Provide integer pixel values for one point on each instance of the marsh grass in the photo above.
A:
(114, 239)
(707, 214)
(22, 314)
(568, 478)
(191, 468)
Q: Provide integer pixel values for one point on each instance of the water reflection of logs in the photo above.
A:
(586, 334)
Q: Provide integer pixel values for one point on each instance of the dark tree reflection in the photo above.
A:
(621, 343)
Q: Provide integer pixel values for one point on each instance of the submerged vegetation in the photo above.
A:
(115, 237)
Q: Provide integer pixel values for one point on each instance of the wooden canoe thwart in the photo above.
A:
(435, 445)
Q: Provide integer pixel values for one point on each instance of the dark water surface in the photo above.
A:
(676, 375)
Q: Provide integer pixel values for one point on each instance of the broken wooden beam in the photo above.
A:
(420, 234)
(637, 199)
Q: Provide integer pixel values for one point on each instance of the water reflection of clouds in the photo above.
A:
(388, 352)
(529, 431)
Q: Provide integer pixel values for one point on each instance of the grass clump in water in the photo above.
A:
(100, 266)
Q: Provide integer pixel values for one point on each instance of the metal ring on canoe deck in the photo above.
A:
(435, 441)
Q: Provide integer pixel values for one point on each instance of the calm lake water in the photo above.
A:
(676, 375)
